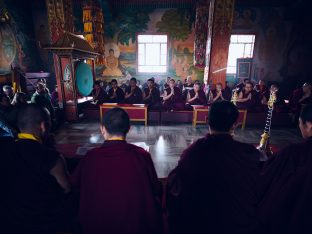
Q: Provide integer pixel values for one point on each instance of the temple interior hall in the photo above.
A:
(194, 86)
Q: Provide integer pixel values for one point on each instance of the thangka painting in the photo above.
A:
(244, 68)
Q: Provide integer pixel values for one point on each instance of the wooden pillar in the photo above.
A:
(219, 35)
(201, 31)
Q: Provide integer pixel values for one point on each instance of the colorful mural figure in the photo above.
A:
(111, 61)
(201, 31)
(7, 48)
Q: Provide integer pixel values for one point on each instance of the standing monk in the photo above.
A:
(213, 189)
(133, 94)
(119, 189)
(286, 206)
(173, 97)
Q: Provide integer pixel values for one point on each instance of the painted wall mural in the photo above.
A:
(121, 28)
(18, 45)
(120, 43)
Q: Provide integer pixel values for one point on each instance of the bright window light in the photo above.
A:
(152, 53)
(241, 46)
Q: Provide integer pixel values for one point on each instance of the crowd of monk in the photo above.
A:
(178, 96)
(220, 185)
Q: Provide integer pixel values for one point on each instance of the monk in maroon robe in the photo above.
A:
(262, 90)
(115, 94)
(227, 92)
(151, 96)
(300, 97)
(119, 189)
(187, 87)
(286, 206)
(247, 98)
(98, 94)
(133, 94)
(213, 189)
(196, 96)
(173, 99)
(216, 94)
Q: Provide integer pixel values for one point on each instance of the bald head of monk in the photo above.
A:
(34, 119)
(222, 117)
(115, 124)
(305, 121)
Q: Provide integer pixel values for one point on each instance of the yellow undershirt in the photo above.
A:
(116, 139)
(28, 136)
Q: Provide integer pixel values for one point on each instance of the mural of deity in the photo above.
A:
(111, 63)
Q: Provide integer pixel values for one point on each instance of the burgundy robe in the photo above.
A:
(119, 190)
(286, 206)
(213, 189)
(227, 93)
(214, 95)
(120, 96)
(186, 89)
(294, 104)
(154, 100)
(249, 104)
(201, 100)
(99, 98)
(136, 97)
(175, 102)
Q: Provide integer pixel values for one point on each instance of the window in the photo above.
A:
(241, 46)
(152, 53)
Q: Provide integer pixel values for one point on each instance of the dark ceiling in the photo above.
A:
(188, 3)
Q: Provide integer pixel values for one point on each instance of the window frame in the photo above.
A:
(253, 51)
(137, 53)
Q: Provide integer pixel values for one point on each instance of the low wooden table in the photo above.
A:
(242, 118)
(136, 112)
(200, 116)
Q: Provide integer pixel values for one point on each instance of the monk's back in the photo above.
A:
(118, 190)
(286, 206)
(217, 177)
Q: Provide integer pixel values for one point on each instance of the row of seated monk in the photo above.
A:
(252, 97)
(220, 185)
(11, 102)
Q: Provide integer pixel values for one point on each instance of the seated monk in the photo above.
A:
(115, 93)
(213, 189)
(196, 96)
(286, 202)
(242, 84)
(247, 98)
(279, 105)
(187, 87)
(151, 95)
(302, 96)
(166, 85)
(119, 188)
(216, 94)
(262, 90)
(227, 92)
(133, 94)
(98, 93)
(172, 99)
(38, 177)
